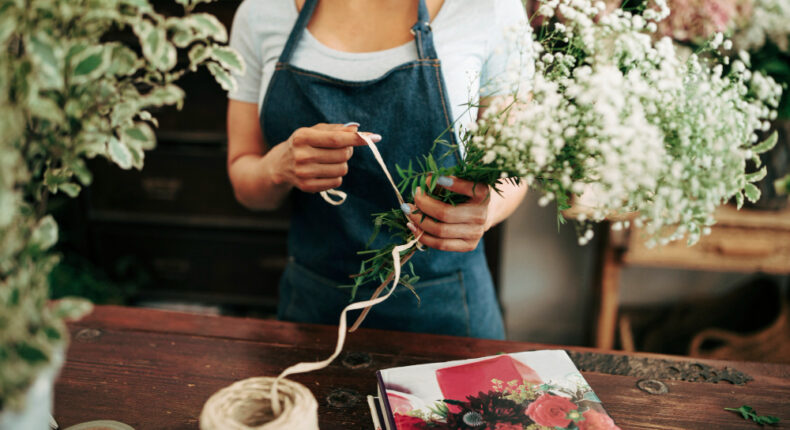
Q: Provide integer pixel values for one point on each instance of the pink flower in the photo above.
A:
(551, 411)
(594, 420)
(508, 426)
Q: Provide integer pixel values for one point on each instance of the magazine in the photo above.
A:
(526, 390)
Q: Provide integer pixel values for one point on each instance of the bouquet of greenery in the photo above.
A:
(618, 115)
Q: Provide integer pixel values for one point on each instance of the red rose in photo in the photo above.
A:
(550, 410)
(508, 426)
(408, 422)
(596, 421)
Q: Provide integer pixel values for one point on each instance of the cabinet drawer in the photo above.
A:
(178, 185)
(224, 267)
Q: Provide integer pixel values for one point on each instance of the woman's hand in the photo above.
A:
(316, 158)
(447, 227)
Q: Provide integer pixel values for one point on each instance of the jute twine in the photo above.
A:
(265, 403)
(247, 404)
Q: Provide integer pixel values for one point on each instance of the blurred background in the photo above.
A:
(172, 236)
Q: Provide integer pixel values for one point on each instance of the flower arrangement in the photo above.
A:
(618, 115)
(73, 86)
(514, 406)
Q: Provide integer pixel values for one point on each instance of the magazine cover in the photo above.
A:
(533, 390)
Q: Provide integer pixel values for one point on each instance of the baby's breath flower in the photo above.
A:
(631, 122)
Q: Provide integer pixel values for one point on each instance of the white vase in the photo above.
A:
(38, 401)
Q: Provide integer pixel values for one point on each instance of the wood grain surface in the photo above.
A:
(155, 369)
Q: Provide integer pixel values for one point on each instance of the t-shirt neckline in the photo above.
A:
(358, 55)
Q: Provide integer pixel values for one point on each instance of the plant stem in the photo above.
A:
(378, 291)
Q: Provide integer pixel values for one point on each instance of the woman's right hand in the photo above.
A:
(315, 159)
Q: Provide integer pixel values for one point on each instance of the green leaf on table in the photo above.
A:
(748, 413)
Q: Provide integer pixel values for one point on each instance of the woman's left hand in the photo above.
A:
(447, 227)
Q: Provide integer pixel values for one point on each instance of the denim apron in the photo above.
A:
(409, 107)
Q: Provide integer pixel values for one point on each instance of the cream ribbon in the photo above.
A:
(299, 411)
(377, 155)
(341, 332)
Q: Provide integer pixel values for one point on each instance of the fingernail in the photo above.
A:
(375, 137)
(349, 124)
(445, 181)
(412, 228)
(405, 208)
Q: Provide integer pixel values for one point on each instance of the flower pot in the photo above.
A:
(37, 411)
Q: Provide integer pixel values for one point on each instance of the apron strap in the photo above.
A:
(423, 35)
(421, 30)
(298, 28)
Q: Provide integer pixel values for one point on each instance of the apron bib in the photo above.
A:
(409, 107)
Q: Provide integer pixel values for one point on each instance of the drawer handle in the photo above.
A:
(162, 188)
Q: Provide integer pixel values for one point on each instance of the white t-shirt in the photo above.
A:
(470, 36)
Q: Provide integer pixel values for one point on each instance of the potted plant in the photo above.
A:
(78, 79)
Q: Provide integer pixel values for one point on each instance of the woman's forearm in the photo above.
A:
(257, 182)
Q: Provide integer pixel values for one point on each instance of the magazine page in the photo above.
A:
(526, 390)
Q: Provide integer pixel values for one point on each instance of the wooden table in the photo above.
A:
(155, 369)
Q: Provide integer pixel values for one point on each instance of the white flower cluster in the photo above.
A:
(628, 120)
(770, 20)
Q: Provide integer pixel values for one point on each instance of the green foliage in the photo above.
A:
(782, 185)
(74, 86)
(748, 413)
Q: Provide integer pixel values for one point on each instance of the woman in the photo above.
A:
(317, 72)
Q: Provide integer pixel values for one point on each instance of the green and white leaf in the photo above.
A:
(167, 95)
(45, 235)
(9, 19)
(209, 26)
(197, 55)
(767, 144)
(72, 308)
(124, 61)
(89, 63)
(757, 176)
(70, 189)
(223, 78)
(228, 58)
(119, 153)
(48, 61)
(752, 192)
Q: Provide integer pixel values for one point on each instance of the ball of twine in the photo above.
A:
(247, 405)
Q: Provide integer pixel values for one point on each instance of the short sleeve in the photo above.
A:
(508, 54)
(246, 41)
